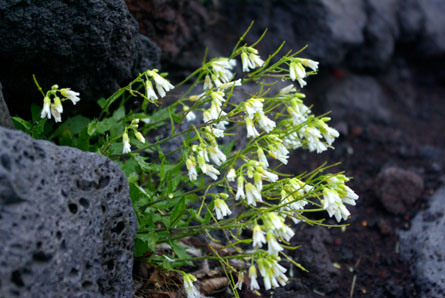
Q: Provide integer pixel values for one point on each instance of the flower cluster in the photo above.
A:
(53, 107)
(189, 287)
(126, 140)
(297, 69)
(250, 59)
(219, 71)
(336, 194)
(162, 85)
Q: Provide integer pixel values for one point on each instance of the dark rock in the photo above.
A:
(422, 246)
(423, 22)
(330, 28)
(67, 226)
(358, 97)
(5, 118)
(314, 256)
(173, 25)
(91, 46)
(381, 32)
(398, 189)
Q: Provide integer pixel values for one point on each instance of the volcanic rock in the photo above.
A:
(67, 226)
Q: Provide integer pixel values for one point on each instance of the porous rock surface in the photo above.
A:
(423, 246)
(93, 46)
(67, 226)
(5, 118)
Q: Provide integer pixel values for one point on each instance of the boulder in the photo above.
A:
(398, 189)
(94, 47)
(5, 118)
(422, 246)
(67, 226)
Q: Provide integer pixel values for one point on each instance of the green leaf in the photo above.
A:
(145, 242)
(119, 113)
(102, 102)
(21, 124)
(177, 211)
(35, 112)
(180, 251)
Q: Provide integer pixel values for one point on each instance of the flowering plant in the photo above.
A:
(210, 181)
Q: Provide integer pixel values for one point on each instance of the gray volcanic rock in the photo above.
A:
(91, 46)
(360, 97)
(5, 118)
(423, 247)
(67, 226)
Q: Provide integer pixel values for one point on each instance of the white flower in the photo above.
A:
(254, 105)
(162, 85)
(140, 137)
(190, 289)
(258, 237)
(221, 209)
(46, 110)
(286, 233)
(191, 167)
(207, 83)
(240, 189)
(253, 282)
(239, 283)
(126, 142)
(328, 133)
(55, 111)
(287, 90)
(350, 197)
(71, 95)
(231, 175)
(190, 116)
(334, 205)
(278, 151)
(245, 61)
(218, 133)
(313, 135)
(271, 177)
(216, 155)
(272, 272)
(272, 244)
(218, 98)
(252, 194)
(149, 91)
(251, 130)
(210, 171)
(310, 63)
(230, 84)
(250, 59)
(297, 72)
(262, 158)
(267, 124)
